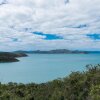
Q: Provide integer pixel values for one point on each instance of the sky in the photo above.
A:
(49, 24)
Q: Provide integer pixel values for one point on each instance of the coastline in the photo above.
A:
(76, 85)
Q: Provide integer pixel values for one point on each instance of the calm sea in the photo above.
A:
(41, 68)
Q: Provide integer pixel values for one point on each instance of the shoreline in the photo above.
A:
(77, 84)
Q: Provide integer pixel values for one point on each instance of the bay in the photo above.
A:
(40, 68)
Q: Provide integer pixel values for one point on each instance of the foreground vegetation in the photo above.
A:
(77, 86)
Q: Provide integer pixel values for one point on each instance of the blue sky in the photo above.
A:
(48, 36)
(49, 24)
(94, 36)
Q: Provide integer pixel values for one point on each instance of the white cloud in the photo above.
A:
(18, 18)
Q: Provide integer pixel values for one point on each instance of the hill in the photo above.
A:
(10, 56)
(57, 51)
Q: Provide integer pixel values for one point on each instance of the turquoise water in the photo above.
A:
(41, 68)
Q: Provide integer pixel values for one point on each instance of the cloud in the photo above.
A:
(67, 22)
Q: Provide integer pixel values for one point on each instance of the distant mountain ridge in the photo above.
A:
(12, 56)
(58, 51)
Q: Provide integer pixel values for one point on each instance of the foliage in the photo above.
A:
(77, 86)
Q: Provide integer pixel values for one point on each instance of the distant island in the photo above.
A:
(57, 51)
(10, 56)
